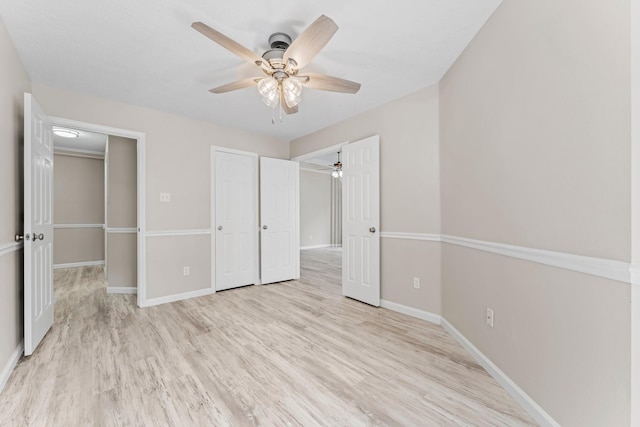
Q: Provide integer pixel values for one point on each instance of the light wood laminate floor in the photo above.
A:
(293, 353)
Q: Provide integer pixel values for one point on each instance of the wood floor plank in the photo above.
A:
(290, 353)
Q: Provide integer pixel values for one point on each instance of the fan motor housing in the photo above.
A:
(279, 41)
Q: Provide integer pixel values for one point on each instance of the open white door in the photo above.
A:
(235, 219)
(361, 220)
(38, 225)
(279, 217)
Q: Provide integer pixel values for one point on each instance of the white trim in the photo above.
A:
(601, 267)
(635, 212)
(8, 248)
(411, 236)
(178, 233)
(10, 365)
(78, 152)
(410, 311)
(70, 226)
(121, 230)
(308, 156)
(634, 272)
(529, 405)
(122, 290)
(306, 248)
(78, 264)
(140, 137)
(322, 171)
(178, 297)
(607, 268)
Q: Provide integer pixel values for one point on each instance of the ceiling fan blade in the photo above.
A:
(328, 83)
(311, 41)
(240, 84)
(224, 41)
(285, 107)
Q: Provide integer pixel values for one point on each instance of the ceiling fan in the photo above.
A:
(335, 168)
(283, 84)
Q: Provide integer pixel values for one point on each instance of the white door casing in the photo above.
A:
(38, 225)
(279, 218)
(235, 223)
(361, 220)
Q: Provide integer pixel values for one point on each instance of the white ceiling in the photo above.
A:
(144, 52)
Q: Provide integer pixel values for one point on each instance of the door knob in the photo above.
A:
(372, 230)
(20, 237)
(219, 227)
(38, 236)
(264, 227)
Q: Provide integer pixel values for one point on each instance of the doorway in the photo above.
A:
(95, 205)
(360, 212)
(321, 216)
(122, 222)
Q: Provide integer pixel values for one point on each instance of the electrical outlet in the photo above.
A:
(165, 197)
(416, 283)
(490, 317)
(186, 271)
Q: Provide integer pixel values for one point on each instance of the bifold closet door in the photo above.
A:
(279, 220)
(235, 220)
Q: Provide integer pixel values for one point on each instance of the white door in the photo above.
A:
(361, 220)
(279, 217)
(38, 225)
(235, 220)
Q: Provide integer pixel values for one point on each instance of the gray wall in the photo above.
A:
(315, 208)
(535, 149)
(14, 81)
(122, 213)
(78, 198)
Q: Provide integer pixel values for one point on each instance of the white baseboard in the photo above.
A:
(10, 366)
(527, 403)
(78, 264)
(122, 290)
(306, 248)
(177, 297)
(413, 312)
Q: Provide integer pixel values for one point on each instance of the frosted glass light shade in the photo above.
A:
(272, 99)
(292, 89)
(268, 87)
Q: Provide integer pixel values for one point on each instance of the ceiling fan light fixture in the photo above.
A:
(268, 87)
(292, 91)
(272, 99)
(65, 133)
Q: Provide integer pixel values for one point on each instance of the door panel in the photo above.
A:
(38, 225)
(361, 221)
(235, 223)
(279, 217)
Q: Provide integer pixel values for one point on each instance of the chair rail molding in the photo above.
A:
(165, 233)
(71, 226)
(7, 248)
(411, 236)
(619, 271)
